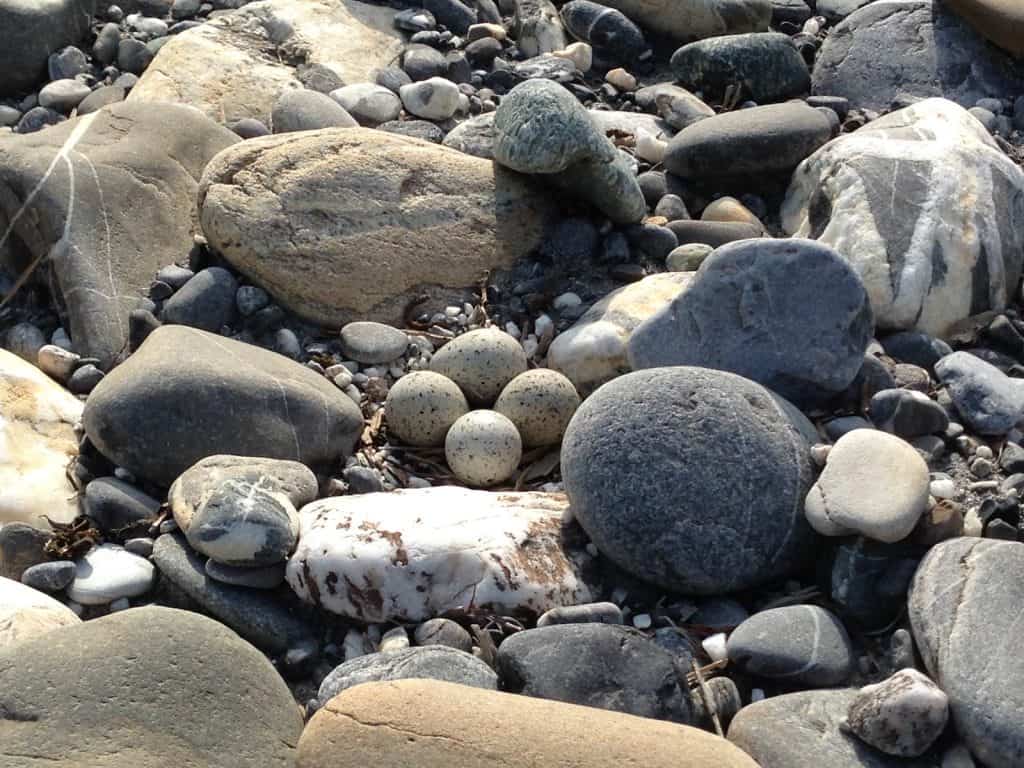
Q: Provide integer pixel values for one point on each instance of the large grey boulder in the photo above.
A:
(430, 662)
(804, 730)
(354, 223)
(596, 665)
(910, 49)
(541, 128)
(685, 20)
(965, 611)
(188, 394)
(925, 207)
(642, 462)
(146, 687)
(30, 30)
(102, 202)
(237, 65)
(789, 314)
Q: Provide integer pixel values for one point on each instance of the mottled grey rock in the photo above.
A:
(595, 665)
(802, 730)
(788, 314)
(925, 207)
(240, 510)
(31, 31)
(431, 662)
(902, 715)
(187, 394)
(103, 222)
(893, 50)
(263, 620)
(613, 36)
(964, 607)
(988, 400)
(776, 137)
(474, 136)
(145, 685)
(668, 431)
(541, 128)
(800, 645)
(766, 66)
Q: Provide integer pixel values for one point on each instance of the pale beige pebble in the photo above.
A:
(57, 362)
(621, 79)
(483, 448)
(481, 362)
(730, 209)
(434, 724)
(422, 406)
(649, 147)
(27, 613)
(902, 715)
(580, 54)
(480, 31)
(688, 257)
(540, 403)
(37, 443)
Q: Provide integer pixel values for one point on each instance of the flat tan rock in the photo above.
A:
(431, 724)
(356, 224)
(37, 442)
(236, 66)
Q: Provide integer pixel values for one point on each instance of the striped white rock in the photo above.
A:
(412, 555)
(926, 208)
(37, 442)
(27, 613)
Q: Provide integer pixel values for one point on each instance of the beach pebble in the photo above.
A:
(901, 716)
(108, 572)
(540, 403)
(481, 362)
(422, 406)
(371, 343)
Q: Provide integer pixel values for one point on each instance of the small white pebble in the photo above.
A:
(983, 452)
(819, 454)
(714, 647)
(530, 346)
(565, 301)
(513, 330)
(124, 475)
(452, 311)
(642, 621)
(373, 373)
(942, 487)
(354, 645)
(395, 639)
(972, 523)
(343, 379)
(543, 325)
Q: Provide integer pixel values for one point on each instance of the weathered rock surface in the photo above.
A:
(964, 608)
(107, 199)
(237, 65)
(690, 528)
(30, 30)
(902, 715)
(27, 613)
(431, 662)
(788, 314)
(187, 394)
(146, 687)
(899, 49)
(1001, 21)
(696, 19)
(924, 206)
(383, 722)
(594, 350)
(342, 235)
(411, 555)
(37, 443)
(595, 665)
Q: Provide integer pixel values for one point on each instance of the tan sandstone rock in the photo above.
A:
(237, 65)
(27, 613)
(357, 224)
(432, 724)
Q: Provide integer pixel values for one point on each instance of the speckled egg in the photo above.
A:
(540, 403)
(422, 406)
(481, 362)
(483, 448)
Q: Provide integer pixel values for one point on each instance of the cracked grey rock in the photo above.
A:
(641, 462)
(104, 200)
(187, 394)
(964, 607)
(541, 128)
(143, 687)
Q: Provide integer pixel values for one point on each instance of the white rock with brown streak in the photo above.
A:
(414, 554)
(37, 442)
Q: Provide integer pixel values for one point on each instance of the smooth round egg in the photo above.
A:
(483, 448)
(540, 403)
(422, 406)
(481, 362)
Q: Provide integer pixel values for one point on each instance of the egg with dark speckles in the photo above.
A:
(483, 448)
(540, 403)
(422, 406)
(481, 362)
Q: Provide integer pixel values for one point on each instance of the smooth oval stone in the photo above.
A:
(49, 577)
(268, 577)
(63, 95)
(713, 233)
(600, 613)
(206, 301)
(766, 65)
(101, 97)
(668, 432)
(902, 715)
(773, 138)
(609, 31)
(799, 644)
(107, 573)
(432, 662)
(989, 401)
(301, 110)
(444, 632)
(115, 504)
(371, 343)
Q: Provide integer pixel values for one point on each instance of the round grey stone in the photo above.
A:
(302, 110)
(444, 632)
(642, 464)
(371, 343)
(52, 576)
(207, 301)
